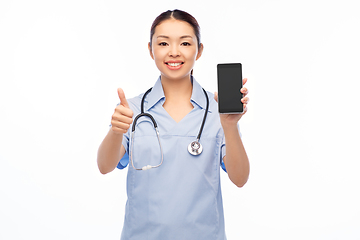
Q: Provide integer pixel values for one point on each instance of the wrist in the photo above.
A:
(115, 135)
(230, 128)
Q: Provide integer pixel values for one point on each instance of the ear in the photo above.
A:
(200, 51)
(151, 54)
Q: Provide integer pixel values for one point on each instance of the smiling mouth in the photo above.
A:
(174, 64)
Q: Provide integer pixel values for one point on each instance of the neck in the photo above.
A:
(177, 89)
(177, 96)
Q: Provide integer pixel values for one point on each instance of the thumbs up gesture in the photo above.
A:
(122, 117)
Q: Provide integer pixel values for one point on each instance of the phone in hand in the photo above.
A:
(229, 85)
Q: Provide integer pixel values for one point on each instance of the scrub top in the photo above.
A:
(181, 199)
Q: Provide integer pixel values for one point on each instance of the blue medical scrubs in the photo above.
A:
(181, 199)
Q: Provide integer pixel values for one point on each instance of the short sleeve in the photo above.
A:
(124, 161)
(222, 154)
(223, 151)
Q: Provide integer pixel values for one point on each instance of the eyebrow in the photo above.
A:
(185, 36)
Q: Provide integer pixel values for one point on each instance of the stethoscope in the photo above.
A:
(194, 148)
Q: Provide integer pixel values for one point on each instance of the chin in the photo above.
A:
(176, 76)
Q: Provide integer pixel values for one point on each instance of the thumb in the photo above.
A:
(122, 98)
(216, 96)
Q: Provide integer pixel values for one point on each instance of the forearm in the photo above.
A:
(236, 160)
(110, 152)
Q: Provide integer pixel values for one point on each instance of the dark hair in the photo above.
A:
(178, 15)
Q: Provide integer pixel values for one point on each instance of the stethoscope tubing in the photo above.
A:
(132, 149)
(205, 115)
(191, 149)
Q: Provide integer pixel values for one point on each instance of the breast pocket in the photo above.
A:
(144, 146)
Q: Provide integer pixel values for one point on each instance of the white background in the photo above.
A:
(62, 61)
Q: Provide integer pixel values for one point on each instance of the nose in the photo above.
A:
(174, 51)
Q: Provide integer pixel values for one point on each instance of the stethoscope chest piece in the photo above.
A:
(195, 148)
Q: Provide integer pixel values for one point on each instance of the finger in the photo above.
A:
(123, 110)
(116, 125)
(122, 98)
(245, 80)
(245, 109)
(122, 118)
(216, 96)
(245, 100)
(244, 91)
(118, 130)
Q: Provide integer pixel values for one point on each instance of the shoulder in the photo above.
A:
(135, 102)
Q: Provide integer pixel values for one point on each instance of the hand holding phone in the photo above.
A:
(229, 85)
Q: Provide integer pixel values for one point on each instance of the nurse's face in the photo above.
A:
(174, 49)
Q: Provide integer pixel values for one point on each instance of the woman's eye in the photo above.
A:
(162, 44)
(186, 44)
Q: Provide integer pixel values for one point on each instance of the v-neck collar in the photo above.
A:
(157, 93)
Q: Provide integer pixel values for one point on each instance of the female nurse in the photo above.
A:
(180, 199)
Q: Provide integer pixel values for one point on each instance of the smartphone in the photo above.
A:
(229, 85)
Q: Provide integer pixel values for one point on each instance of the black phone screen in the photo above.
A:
(229, 85)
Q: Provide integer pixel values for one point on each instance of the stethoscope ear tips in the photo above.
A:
(195, 148)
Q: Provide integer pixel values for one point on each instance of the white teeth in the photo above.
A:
(174, 64)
